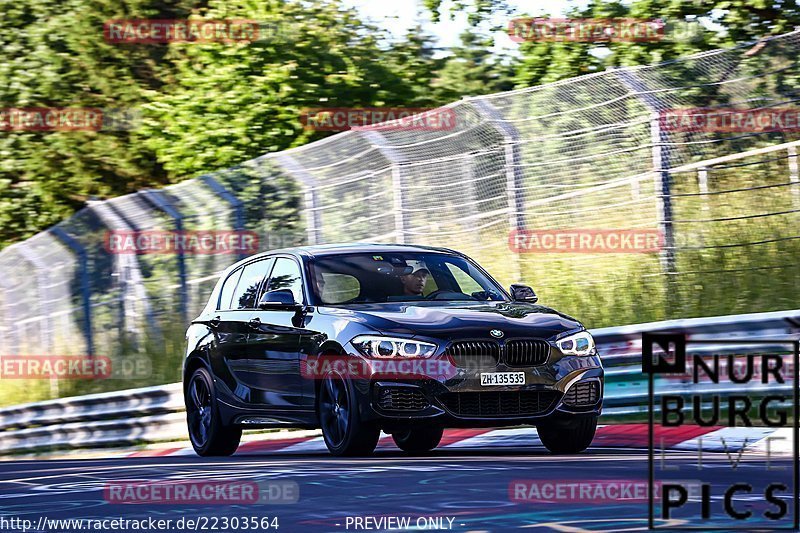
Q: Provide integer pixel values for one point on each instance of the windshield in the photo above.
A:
(398, 277)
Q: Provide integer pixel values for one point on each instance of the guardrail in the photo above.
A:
(621, 351)
(109, 419)
(156, 413)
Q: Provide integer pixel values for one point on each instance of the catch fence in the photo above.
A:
(592, 153)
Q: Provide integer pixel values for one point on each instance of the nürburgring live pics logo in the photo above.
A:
(755, 396)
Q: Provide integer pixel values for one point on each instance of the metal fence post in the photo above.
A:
(513, 157)
(40, 271)
(311, 198)
(45, 324)
(134, 285)
(83, 281)
(794, 175)
(10, 334)
(702, 184)
(513, 169)
(378, 141)
(3, 322)
(6, 344)
(236, 204)
(123, 275)
(160, 201)
(661, 165)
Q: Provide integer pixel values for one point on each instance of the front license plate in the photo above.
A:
(489, 379)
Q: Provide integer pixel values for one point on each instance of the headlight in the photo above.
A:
(580, 343)
(375, 346)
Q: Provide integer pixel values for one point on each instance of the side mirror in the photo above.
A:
(523, 293)
(279, 299)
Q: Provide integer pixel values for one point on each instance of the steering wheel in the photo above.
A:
(434, 294)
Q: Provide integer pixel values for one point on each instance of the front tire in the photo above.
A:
(418, 440)
(344, 432)
(209, 436)
(568, 439)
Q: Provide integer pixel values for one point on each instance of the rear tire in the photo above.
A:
(344, 432)
(209, 436)
(568, 439)
(418, 440)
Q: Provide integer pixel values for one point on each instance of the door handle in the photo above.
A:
(255, 323)
(214, 322)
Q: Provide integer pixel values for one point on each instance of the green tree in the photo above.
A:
(204, 106)
(413, 60)
(473, 69)
(55, 55)
(232, 103)
(690, 27)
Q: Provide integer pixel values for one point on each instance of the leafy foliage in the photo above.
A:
(203, 106)
(690, 27)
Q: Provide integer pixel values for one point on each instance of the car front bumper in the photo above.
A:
(564, 388)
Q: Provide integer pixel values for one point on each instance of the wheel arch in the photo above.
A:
(329, 347)
(193, 362)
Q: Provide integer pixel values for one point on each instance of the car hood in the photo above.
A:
(454, 320)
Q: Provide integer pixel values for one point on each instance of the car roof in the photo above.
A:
(320, 250)
(361, 247)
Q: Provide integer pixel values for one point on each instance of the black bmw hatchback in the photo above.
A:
(355, 339)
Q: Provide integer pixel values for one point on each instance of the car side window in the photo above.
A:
(334, 288)
(227, 289)
(286, 275)
(466, 283)
(246, 290)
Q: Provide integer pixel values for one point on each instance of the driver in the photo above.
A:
(414, 283)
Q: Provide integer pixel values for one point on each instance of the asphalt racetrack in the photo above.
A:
(465, 490)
